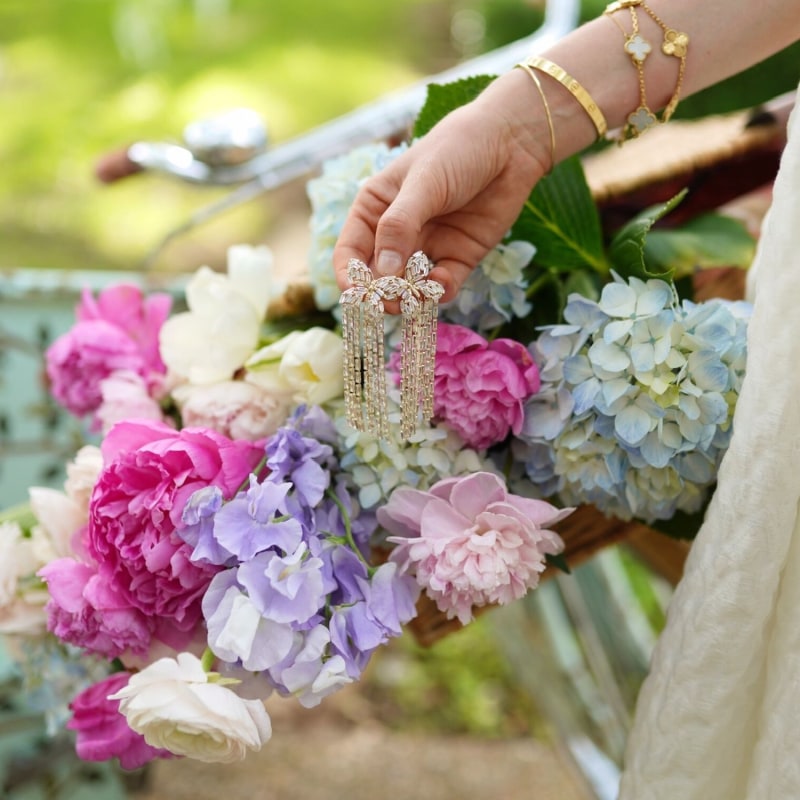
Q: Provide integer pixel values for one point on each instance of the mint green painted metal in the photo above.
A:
(36, 436)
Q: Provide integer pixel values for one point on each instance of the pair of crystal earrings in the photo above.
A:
(364, 355)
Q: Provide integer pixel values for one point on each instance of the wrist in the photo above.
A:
(513, 98)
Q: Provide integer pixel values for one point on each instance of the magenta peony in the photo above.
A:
(150, 471)
(103, 733)
(469, 542)
(480, 386)
(118, 330)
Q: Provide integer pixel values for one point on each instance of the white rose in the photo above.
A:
(307, 365)
(236, 409)
(179, 707)
(211, 340)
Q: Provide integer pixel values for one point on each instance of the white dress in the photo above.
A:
(719, 716)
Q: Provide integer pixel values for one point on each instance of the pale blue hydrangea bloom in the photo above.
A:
(378, 466)
(494, 292)
(637, 399)
(331, 195)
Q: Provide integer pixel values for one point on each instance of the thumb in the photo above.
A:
(399, 229)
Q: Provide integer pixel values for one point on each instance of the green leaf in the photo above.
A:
(627, 247)
(711, 240)
(561, 219)
(447, 97)
(558, 561)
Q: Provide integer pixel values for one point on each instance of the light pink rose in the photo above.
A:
(150, 473)
(480, 386)
(118, 330)
(469, 542)
(103, 733)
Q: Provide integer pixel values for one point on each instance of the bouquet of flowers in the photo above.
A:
(232, 537)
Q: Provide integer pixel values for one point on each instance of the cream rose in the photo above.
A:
(179, 707)
(305, 365)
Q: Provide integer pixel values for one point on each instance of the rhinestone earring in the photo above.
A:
(364, 354)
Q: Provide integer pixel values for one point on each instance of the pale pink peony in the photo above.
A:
(150, 473)
(102, 732)
(469, 542)
(238, 409)
(480, 386)
(118, 330)
(126, 396)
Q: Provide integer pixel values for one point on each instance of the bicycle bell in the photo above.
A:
(227, 139)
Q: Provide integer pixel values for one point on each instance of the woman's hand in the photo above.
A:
(453, 194)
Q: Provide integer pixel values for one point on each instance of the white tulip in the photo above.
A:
(179, 707)
(214, 338)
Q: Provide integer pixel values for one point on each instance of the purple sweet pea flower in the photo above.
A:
(198, 516)
(309, 672)
(247, 526)
(288, 589)
(237, 631)
(299, 459)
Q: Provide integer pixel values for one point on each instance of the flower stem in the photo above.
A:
(246, 482)
(348, 530)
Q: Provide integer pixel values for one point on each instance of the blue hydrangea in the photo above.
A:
(331, 195)
(377, 466)
(637, 399)
(494, 293)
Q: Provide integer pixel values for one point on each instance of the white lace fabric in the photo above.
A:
(719, 715)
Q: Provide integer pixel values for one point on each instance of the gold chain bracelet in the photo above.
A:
(675, 43)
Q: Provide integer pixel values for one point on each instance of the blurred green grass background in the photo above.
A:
(81, 77)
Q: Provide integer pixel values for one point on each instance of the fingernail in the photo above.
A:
(389, 263)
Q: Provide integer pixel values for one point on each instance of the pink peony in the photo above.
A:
(86, 612)
(118, 330)
(469, 542)
(103, 732)
(480, 386)
(150, 473)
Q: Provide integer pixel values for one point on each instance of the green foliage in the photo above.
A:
(561, 219)
(711, 240)
(442, 99)
(462, 684)
(628, 246)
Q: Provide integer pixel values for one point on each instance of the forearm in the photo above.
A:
(725, 37)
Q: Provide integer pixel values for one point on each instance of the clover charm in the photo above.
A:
(637, 47)
(675, 43)
(641, 120)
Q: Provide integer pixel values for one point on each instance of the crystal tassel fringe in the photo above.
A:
(364, 364)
